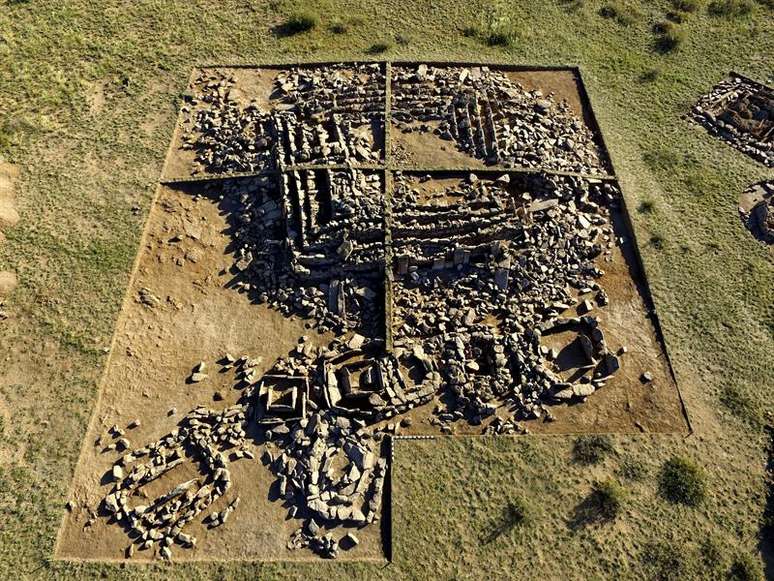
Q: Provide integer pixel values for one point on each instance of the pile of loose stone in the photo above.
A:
(479, 274)
(317, 115)
(741, 112)
(330, 471)
(227, 136)
(760, 218)
(479, 254)
(206, 437)
(493, 118)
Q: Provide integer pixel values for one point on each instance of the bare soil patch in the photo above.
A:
(8, 215)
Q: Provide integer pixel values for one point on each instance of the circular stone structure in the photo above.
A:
(756, 209)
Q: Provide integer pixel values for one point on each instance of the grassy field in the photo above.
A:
(88, 100)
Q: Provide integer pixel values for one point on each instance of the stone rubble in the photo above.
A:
(472, 254)
(493, 118)
(312, 244)
(318, 115)
(760, 218)
(204, 435)
(740, 112)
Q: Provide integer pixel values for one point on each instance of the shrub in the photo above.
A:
(470, 31)
(676, 17)
(646, 207)
(299, 22)
(498, 39)
(517, 512)
(378, 48)
(338, 27)
(656, 241)
(671, 36)
(496, 24)
(515, 515)
(592, 449)
(730, 8)
(650, 75)
(681, 481)
(606, 499)
(618, 12)
(745, 568)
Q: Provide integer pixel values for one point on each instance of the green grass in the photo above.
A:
(83, 171)
(740, 405)
(632, 469)
(666, 562)
(730, 8)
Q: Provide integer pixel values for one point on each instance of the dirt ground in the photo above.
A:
(184, 263)
(9, 217)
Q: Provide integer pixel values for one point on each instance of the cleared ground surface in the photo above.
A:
(89, 104)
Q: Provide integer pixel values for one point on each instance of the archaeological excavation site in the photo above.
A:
(342, 254)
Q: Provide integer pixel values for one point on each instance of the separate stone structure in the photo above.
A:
(741, 112)
(756, 209)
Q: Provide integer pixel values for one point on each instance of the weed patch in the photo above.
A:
(589, 450)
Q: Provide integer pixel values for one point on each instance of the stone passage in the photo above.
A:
(741, 112)
(468, 299)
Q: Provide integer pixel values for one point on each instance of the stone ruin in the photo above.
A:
(757, 210)
(741, 112)
(319, 115)
(440, 287)
(494, 119)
